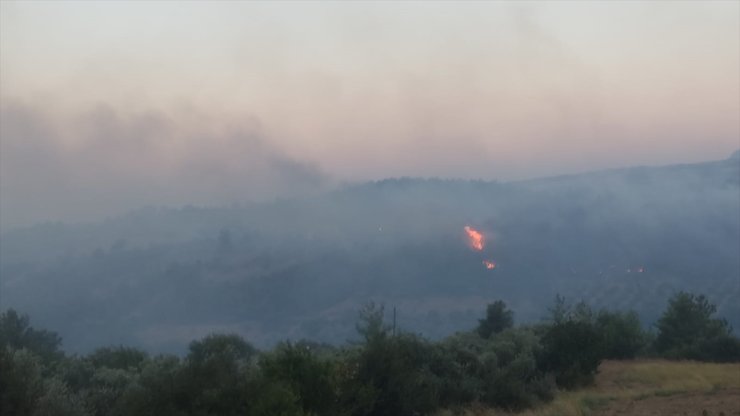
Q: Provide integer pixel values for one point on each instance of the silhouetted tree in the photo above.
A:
(498, 317)
(16, 332)
(370, 324)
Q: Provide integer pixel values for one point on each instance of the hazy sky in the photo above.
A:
(108, 106)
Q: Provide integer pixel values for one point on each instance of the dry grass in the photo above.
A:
(631, 384)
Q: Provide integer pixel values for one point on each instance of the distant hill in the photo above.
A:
(301, 268)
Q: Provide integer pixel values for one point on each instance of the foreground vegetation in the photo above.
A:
(387, 372)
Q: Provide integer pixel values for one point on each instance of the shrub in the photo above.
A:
(687, 330)
(514, 380)
(572, 345)
(122, 358)
(310, 378)
(457, 362)
(157, 390)
(214, 380)
(622, 336)
(722, 348)
(20, 381)
(59, 400)
(388, 375)
(275, 399)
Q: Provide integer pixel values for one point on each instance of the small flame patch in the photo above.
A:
(476, 240)
(490, 265)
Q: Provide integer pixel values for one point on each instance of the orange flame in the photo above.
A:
(489, 264)
(475, 238)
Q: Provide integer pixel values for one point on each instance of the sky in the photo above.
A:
(110, 106)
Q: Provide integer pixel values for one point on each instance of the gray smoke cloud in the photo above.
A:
(105, 161)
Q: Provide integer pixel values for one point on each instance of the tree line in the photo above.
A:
(385, 372)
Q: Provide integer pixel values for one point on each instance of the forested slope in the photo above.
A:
(300, 268)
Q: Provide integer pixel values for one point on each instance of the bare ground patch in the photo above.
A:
(724, 402)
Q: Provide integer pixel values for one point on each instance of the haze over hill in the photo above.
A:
(302, 267)
(217, 103)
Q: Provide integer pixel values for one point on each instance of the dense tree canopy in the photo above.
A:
(386, 372)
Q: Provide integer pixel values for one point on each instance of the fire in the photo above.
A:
(475, 238)
(477, 241)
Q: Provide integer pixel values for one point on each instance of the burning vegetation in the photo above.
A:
(475, 238)
(477, 241)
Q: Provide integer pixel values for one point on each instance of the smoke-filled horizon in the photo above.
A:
(109, 107)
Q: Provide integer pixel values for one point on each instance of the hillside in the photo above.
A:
(301, 268)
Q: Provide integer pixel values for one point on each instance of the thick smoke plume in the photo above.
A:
(105, 161)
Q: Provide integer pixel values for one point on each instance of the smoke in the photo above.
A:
(493, 91)
(104, 161)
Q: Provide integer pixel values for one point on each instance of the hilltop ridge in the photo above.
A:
(302, 267)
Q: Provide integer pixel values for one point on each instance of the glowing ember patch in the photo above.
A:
(475, 238)
(489, 264)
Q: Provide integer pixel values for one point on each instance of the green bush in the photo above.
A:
(514, 380)
(59, 400)
(122, 358)
(310, 378)
(215, 376)
(388, 372)
(622, 335)
(275, 399)
(723, 348)
(21, 382)
(388, 375)
(457, 363)
(687, 330)
(107, 387)
(76, 372)
(158, 389)
(572, 345)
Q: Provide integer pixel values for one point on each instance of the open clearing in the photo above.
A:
(648, 388)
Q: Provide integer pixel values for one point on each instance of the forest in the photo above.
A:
(384, 370)
(157, 278)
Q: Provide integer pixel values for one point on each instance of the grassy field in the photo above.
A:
(652, 387)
